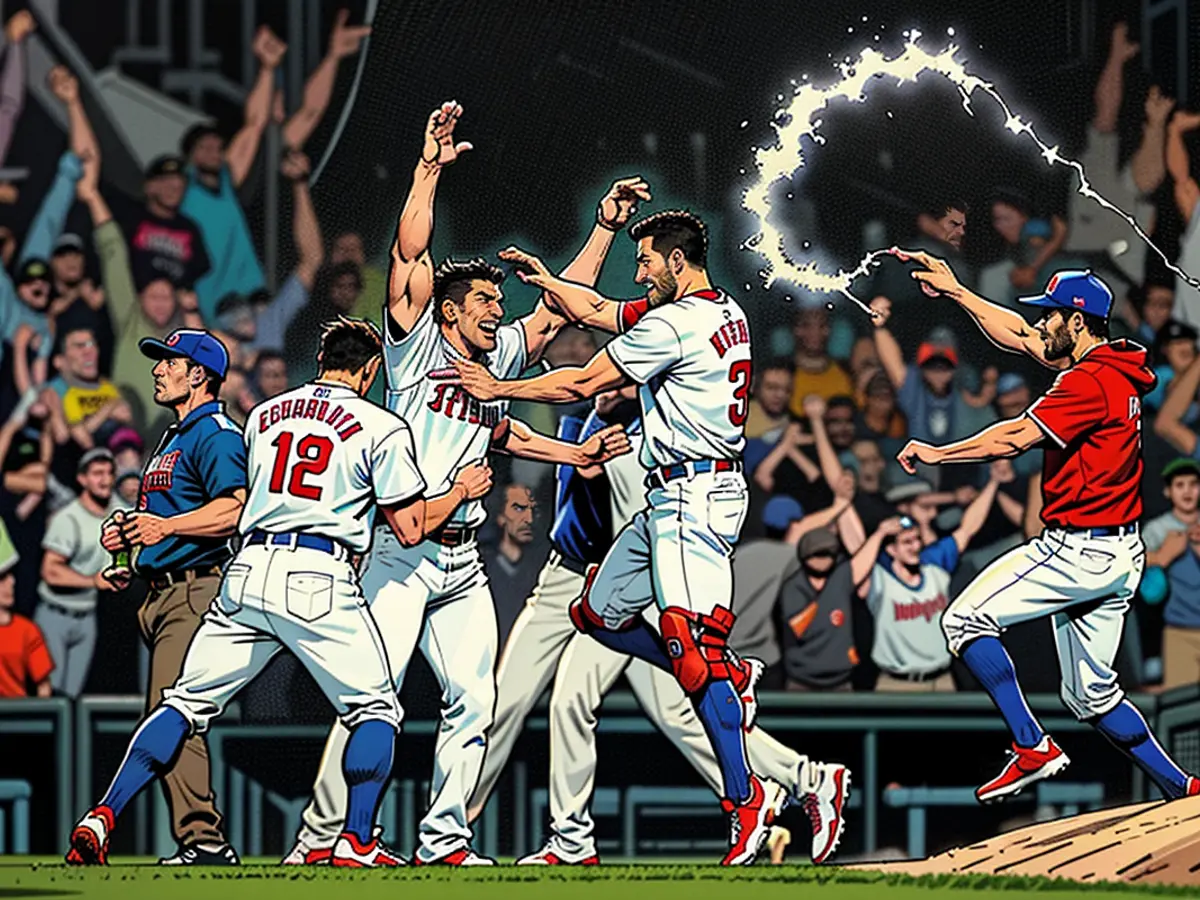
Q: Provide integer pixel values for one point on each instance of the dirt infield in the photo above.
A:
(1144, 843)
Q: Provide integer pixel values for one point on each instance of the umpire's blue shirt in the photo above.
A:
(198, 460)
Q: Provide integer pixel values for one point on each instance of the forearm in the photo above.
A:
(1057, 239)
(56, 573)
(26, 482)
(1004, 439)
(1107, 96)
(977, 510)
(585, 267)
(570, 384)
(242, 149)
(525, 443)
(890, 357)
(1179, 165)
(414, 230)
(306, 231)
(585, 306)
(48, 223)
(823, 518)
(1148, 165)
(1013, 510)
(440, 508)
(79, 130)
(1160, 557)
(12, 93)
(317, 91)
(217, 518)
(1003, 327)
(1180, 394)
(831, 468)
(864, 560)
(764, 473)
(115, 273)
(851, 529)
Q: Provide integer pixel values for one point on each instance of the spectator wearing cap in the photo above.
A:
(906, 588)
(193, 490)
(26, 333)
(880, 419)
(771, 397)
(73, 563)
(937, 409)
(25, 663)
(1174, 351)
(1173, 544)
(163, 242)
(816, 621)
(816, 372)
(759, 569)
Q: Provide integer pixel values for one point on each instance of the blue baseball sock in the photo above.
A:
(154, 745)
(990, 663)
(367, 764)
(720, 711)
(639, 641)
(1126, 728)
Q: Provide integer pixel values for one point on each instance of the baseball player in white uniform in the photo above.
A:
(690, 353)
(322, 460)
(544, 644)
(435, 596)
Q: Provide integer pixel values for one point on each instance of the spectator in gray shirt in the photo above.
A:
(72, 574)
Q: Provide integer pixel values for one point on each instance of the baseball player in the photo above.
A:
(593, 505)
(435, 596)
(690, 353)
(321, 460)
(1088, 561)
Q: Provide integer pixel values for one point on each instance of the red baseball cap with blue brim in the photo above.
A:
(1075, 290)
(189, 343)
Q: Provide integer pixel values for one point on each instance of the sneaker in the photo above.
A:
(203, 855)
(749, 694)
(1025, 766)
(350, 853)
(750, 822)
(547, 857)
(89, 839)
(303, 855)
(462, 857)
(823, 792)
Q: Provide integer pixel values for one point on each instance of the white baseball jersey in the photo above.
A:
(320, 459)
(692, 359)
(450, 427)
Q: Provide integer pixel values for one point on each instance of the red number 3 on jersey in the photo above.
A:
(739, 376)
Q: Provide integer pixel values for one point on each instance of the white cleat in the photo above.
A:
(823, 792)
(548, 857)
(749, 694)
(350, 853)
(462, 857)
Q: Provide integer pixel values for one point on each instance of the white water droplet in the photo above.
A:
(745, 123)
(950, 31)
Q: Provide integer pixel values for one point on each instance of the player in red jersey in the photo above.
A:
(1085, 567)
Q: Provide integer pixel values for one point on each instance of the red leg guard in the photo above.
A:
(698, 648)
(583, 617)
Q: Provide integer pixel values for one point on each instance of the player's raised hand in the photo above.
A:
(345, 39)
(440, 148)
(145, 529)
(1122, 49)
(606, 444)
(268, 48)
(476, 380)
(936, 279)
(1158, 106)
(475, 479)
(917, 452)
(881, 311)
(619, 205)
(529, 268)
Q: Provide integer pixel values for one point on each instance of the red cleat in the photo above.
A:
(463, 857)
(89, 840)
(547, 857)
(1025, 766)
(350, 853)
(750, 823)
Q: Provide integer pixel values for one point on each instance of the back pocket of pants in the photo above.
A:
(309, 595)
(726, 513)
(233, 585)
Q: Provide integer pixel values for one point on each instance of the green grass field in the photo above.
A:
(20, 878)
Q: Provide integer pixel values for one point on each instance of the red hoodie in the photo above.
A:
(1092, 417)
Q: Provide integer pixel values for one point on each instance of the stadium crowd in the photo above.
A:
(834, 397)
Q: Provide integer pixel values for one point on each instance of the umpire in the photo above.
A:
(192, 494)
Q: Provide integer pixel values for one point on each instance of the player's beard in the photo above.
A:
(662, 288)
(1059, 344)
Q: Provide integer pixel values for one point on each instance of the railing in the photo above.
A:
(874, 718)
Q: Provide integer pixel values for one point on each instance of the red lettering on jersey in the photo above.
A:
(439, 394)
(743, 332)
(263, 423)
(718, 341)
(275, 415)
(322, 410)
(354, 429)
(285, 409)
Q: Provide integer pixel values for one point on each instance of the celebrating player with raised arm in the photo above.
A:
(687, 344)
(322, 459)
(436, 594)
(1086, 565)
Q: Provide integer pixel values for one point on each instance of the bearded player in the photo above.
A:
(1087, 563)
(436, 595)
(687, 345)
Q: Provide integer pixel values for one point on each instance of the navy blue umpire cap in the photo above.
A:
(189, 343)
(1075, 290)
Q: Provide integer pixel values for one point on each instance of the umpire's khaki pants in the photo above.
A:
(544, 645)
(1181, 656)
(168, 619)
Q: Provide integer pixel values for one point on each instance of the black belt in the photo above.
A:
(452, 536)
(297, 539)
(164, 580)
(660, 476)
(917, 677)
(64, 611)
(1100, 531)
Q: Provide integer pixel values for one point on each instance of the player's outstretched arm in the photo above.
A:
(570, 384)
(410, 279)
(217, 518)
(614, 211)
(472, 483)
(1005, 328)
(575, 302)
(1168, 425)
(1004, 439)
(516, 438)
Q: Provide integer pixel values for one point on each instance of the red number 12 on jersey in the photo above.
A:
(314, 451)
